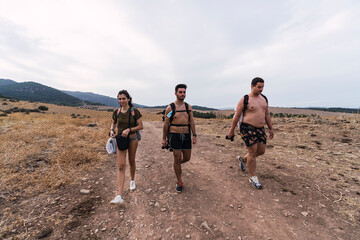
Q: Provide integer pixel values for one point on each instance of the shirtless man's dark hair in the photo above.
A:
(256, 80)
(180, 86)
(254, 117)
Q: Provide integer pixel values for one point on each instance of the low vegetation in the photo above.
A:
(273, 115)
(289, 115)
(206, 115)
(43, 108)
(342, 110)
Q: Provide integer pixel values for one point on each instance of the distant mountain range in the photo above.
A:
(36, 92)
(6, 82)
(113, 102)
(97, 98)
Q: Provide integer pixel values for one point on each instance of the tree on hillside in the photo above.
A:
(43, 108)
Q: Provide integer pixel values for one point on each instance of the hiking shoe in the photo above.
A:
(132, 185)
(242, 164)
(255, 182)
(117, 200)
(179, 187)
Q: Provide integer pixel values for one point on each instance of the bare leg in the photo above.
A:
(260, 151)
(132, 153)
(121, 158)
(177, 164)
(186, 156)
(251, 159)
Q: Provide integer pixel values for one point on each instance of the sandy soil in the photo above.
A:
(310, 173)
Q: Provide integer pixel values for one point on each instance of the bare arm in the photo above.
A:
(268, 122)
(236, 118)
(138, 127)
(166, 126)
(112, 129)
(192, 125)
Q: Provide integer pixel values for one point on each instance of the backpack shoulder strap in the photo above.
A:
(265, 98)
(132, 112)
(173, 109)
(246, 101)
(187, 110)
(129, 120)
(117, 114)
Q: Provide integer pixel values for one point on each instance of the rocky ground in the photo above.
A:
(310, 173)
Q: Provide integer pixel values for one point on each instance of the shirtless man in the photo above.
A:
(252, 129)
(179, 123)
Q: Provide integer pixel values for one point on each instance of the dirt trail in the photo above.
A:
(218, 202)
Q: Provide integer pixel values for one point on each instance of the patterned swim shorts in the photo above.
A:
(252, 135)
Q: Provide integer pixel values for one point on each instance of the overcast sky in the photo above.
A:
(308, 52)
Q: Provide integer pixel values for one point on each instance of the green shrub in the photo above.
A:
(206, 115)
(43, 108)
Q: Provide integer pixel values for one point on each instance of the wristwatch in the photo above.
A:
(194, 134)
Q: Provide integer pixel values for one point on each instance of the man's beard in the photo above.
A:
(180, 98)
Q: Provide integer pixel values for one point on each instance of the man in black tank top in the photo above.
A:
(178, 126)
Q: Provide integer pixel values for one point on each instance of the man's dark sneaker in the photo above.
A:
(179, 187)
(255, 182)
(241, 163)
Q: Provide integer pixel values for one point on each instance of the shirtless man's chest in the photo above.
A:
(256, 110)
(180, 117)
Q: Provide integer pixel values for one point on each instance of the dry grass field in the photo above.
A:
(40, 152)
(311, 175)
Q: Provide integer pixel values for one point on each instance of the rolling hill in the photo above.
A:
(32, 91)
(97, 98)
(113, 102)
(4, 82)
(195, 107)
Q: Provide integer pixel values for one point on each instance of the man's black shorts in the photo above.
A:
(180, 141)
(252, 135)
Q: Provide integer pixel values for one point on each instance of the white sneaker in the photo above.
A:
(132, 185)
(117, 200)
(255, 182)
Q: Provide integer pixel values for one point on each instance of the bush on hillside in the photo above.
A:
(206, 115)
(288, 115)
(43, 108)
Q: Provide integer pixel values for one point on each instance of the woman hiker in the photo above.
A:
(128, 121)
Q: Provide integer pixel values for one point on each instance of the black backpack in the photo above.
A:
(246, 101)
